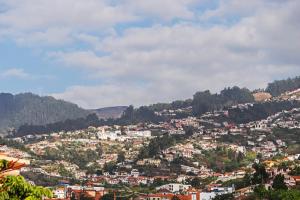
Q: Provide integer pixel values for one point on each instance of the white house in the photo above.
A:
(174, 187)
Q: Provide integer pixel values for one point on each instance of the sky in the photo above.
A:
(99, 53)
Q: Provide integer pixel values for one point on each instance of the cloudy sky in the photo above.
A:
(100, 53)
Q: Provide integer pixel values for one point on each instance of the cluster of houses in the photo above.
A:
(208, 134)
(164, 192)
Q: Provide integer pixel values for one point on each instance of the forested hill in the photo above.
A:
(278, 87)
(27, 108)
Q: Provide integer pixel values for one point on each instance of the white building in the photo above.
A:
(174, 187)
(146, 133)
(59, 193)
(214, 191)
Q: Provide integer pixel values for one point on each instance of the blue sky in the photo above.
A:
(99, 53)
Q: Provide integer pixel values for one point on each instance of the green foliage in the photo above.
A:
(27, 108)
(224, 197)
(41, 179)
(64, 172)
(4, 164)
(260, 192)
(72, 154)
(67, 125)
(109, 196)
(222, 159)
(205, 101)
(158, 182)
(156, 145)
(94, 169)
(278, 87)
(189, 131)
(15, 144)
(260, 175)
(239, 183)
(141, 114)
(260, 110)
(278, 183)
(196, 182)
(110, 167)
(171, 106)
(290, 136)
(288, 195)
(16, 188)
(121, 157)
(295, 171)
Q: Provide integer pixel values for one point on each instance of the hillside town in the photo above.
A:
(192, 158)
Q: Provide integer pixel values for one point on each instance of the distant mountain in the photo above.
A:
(27, 108)
(109, 112)
(28, 112)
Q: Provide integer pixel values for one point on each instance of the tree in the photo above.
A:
(224, 197)
(16, 187)
(121, 157)
(290, 195)
(189, 131)
(196, 182)
(99, 150)
(108, 196)
(158, 182)
(295, 171)
(260, 176)
(240, 157)
(260, 191)
(278, 87)
(99, 172)
(110, 167)
(278, 183)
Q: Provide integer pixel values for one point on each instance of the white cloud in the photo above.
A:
(158, 62)
(172, 62)
(236, 9)
(81, 14)
(165, 10)
(15, 73)
(20, 73)
(53, 22)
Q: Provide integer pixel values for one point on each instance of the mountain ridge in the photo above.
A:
(29, 108)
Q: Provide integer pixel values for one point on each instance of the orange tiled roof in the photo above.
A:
(296, 178)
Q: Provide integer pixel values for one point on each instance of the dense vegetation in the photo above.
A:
(205, 101)
(290, 136)
(130, 115)
(73, 154)
(36, 115)
(141, 114)
(67, 125)
(156, 145)
(173, 105)
(260, 110)
(16, 187)
(202, 102)
(224, 160)
(27, 108)
(278, 87)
